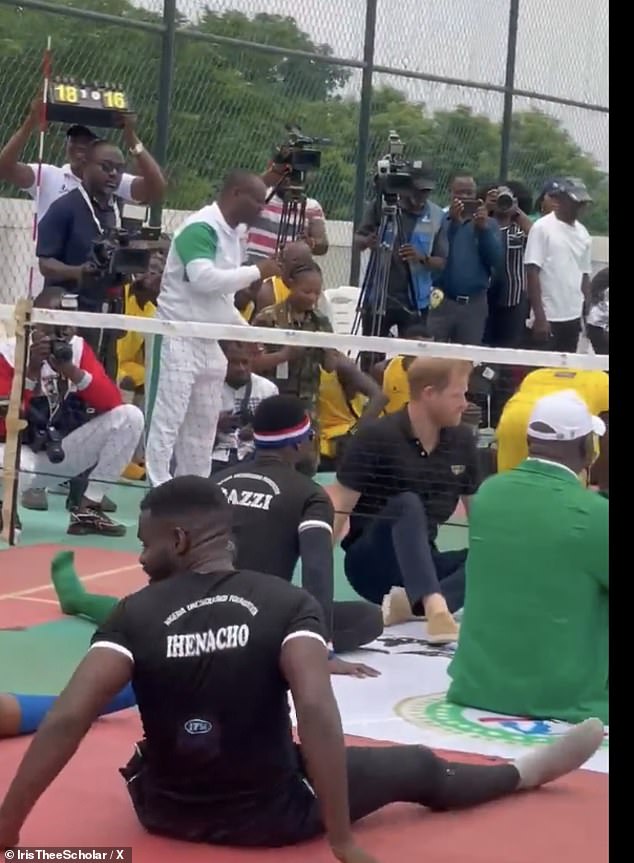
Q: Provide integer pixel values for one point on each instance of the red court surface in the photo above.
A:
(88, 804)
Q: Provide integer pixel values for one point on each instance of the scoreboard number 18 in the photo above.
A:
(70, 94)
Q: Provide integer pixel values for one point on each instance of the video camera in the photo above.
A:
(114, 257)
(299, 154)
(393, 174)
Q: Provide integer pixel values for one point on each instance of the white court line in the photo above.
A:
(34, 599)
(18, 593)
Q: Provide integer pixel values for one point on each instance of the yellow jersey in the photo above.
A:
(280, 291)
(591, 386)
(336, 415)
(130, 348)
(247, 311)
(395, 385)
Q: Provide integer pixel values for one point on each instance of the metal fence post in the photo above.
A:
(363, 142)
(509, 84)
(166, 74)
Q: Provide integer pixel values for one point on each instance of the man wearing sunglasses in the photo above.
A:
(73, 223)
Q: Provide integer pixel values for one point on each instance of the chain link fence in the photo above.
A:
(239, 74)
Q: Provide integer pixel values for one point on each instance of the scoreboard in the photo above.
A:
(87, 103)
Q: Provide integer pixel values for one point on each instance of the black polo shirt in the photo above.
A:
(213, 701)
(272, 504)
(384, 459)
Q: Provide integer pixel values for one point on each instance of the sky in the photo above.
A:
(562, 50)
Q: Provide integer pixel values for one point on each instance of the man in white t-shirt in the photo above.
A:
(242, 392)
(147, 187)
(263, 234)
(558, 262)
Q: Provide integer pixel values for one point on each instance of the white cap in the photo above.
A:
(566, 415)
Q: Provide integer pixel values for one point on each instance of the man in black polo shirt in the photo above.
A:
(212, 653)
(280, 515)
(402, 476)
(73, 222)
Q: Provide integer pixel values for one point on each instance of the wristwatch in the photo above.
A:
(137, 149)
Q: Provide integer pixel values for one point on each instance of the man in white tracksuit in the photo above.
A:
(184, 376)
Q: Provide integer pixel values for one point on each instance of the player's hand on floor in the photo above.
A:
(351, 669)
(353, 854)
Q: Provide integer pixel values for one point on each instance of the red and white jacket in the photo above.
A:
(96, 389)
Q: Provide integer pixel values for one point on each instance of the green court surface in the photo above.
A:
(41, 658)
(50, 527)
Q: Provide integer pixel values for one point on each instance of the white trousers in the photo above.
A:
(183, 396)
(105, 443)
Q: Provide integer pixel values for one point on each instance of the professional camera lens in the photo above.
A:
(61, 351)
(505, 199)
(53, 446)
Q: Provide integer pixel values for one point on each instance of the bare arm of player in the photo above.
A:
(354, 381)
(98, 678)
(304, 664)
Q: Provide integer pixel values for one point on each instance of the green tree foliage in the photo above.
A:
(230, 105)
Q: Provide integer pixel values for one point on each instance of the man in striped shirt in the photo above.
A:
(508, 304)
(263, 234)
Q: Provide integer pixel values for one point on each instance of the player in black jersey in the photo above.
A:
(211, 652)
(281, 516)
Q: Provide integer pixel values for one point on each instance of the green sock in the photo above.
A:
(72, 596)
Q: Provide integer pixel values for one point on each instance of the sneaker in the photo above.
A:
(35, 498)
(95, 521)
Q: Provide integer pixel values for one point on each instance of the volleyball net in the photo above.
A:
(344, 380)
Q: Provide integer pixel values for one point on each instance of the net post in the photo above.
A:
(14, 423)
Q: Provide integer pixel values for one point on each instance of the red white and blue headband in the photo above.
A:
(283, 437)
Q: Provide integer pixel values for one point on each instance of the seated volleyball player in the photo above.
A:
(592, 386)
(65, 386)
(534, 636)
(281, 516)
(401, 477)
(212, 653)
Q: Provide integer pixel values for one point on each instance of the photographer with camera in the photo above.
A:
(75, 225)
(242, 392)
(508, 302)
(418, 251)
(475, 255)
(76, 420)
(288, 214)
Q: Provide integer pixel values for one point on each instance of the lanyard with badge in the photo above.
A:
(89, 204)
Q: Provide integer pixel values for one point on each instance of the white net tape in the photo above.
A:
(345, 343)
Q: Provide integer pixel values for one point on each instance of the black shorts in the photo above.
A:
(280, 816)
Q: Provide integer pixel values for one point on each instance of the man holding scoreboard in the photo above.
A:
(146, 187)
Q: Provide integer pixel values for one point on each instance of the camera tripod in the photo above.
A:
(293, 218)
(372, 306)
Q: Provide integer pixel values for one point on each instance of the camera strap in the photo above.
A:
(246, 398)
(89, 204)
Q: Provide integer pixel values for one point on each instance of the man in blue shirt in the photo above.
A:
(475, 253)
(418, 254)
(73, 222)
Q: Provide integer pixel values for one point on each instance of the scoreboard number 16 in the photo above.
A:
(69, 94)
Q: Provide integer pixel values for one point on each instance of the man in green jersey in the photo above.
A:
(534, 636)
